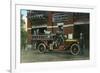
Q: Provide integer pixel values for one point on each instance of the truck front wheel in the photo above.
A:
(75, 49)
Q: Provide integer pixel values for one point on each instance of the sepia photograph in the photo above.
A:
(51, 36)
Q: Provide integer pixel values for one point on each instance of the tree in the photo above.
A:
(23, 34)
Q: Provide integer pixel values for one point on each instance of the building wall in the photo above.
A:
(68, 30)
(29, 27)
(52, 26)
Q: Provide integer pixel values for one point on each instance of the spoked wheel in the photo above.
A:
(42, 48)
(75, 49)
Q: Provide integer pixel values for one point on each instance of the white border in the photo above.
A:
(15, 45)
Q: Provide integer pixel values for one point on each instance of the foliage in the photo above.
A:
(23, 35)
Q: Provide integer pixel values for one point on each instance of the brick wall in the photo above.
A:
(29, 26)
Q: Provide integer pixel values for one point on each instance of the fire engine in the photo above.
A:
(50, 41)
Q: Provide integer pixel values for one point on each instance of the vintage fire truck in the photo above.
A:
(51, 41)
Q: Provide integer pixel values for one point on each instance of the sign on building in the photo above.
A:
(61, 17)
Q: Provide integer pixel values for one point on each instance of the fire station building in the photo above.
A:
(74, 23)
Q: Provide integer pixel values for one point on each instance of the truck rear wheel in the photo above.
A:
(75, 49)
(42, 48)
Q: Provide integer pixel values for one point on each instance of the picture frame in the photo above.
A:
(16, 66)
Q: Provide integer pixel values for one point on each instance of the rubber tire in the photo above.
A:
(72, 48)
(42, 48)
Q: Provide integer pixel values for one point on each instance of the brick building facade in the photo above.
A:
(72, 23)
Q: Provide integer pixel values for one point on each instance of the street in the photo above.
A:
(29, 56)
